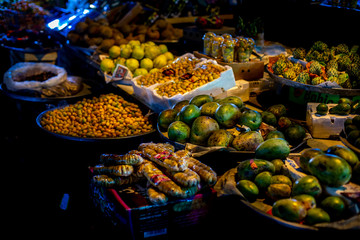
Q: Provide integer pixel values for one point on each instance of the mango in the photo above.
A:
(275, 134)
(295, 134)
(289, 210)
(248, 189)
(279, 164)
(189, 113)
(307, 185)
(201, 129)
(227, 115)
(274, 148)
(237, 101)
(345, 153)
(306, 155)
(209, 109)
(221, 138)
(166, 117)
(250, 118)
(306, 199)
(263, 180)
(179, 105)
(278, 191)
(331, 170)
(178, 131)
(278, 110)
(247, 141)
(316, 215)
(280, 179)
(334, 206)
(201, 99)
(269, 118)
(248, 169)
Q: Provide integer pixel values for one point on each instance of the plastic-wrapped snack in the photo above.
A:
(162, 182)
(126, 180)
(161, 155)
(103, 181)
(117, 171)
(115, 159)
(155, 196)
(205, 172)
(187, 178)
(159, 147)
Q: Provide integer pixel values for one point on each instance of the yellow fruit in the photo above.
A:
(107, 65)
(114, 51)
(132, 64)
(152, 51)
(154, 70)
(140, 71)
(146, 63)
(160, 61)
(137, 53)
(169, 56)
(120, 61)
(133, 43)
(163, 48)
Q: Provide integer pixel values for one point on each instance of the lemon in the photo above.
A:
(114, 51)
(107, 65)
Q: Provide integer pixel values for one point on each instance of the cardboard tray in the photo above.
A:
(252, 70)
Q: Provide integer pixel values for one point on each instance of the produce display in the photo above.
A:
(300, 196)
(106, 116)
(337, 64)
(102, 34)
(226, 48)
(225, 122)
(352, 130)
(139, 58)
(168, 173)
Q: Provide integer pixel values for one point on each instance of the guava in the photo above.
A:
(140, 71)
(169, 56)
(133, 43)
(114, 51)
(163, 48)
(160, 61)
(107, 65)
(125, 52)
(146, 63)
(132, 64)
(152, 51)
(137, 53)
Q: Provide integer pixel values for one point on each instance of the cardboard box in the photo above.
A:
(129, 208)
(327, 126)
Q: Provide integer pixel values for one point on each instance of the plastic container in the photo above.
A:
(207, 41)
(228, 50)
(216, 47)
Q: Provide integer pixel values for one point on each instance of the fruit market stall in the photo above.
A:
(141, 130)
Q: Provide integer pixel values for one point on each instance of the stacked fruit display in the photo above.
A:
(295, 197)
(202, 120)
(337, 64)
(169, 173)
(352, 130)
(139, 58)
(102, 34)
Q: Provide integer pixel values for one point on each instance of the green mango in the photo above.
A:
(201, 129)
(307, 185)
(220, 137)
(331, 170)
(274, 148)
(201, 99)
(306, 155)
(248, 189)
(179, 131)
(345, 153)
(316, 215)
(248, 169)
(289, 209)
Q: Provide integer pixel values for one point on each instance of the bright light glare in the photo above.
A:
(53, 24)
(86, 11)
(72, 17)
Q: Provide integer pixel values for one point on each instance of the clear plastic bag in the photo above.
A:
(17, 77)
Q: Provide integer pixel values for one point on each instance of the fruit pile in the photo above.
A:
(106, 116)
(169, 173)
(344, 107)
(339, 64)
(103, 34)
(352, 130)
(139, 58)
(305, 198)
(206, 121)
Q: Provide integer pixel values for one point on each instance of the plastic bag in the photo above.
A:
(14, 77)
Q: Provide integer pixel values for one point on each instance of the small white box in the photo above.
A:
(242, 90)
(324, 126)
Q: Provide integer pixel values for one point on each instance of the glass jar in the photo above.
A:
(228, 50)
(216, 47)
(207, 40)
(244, 47)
